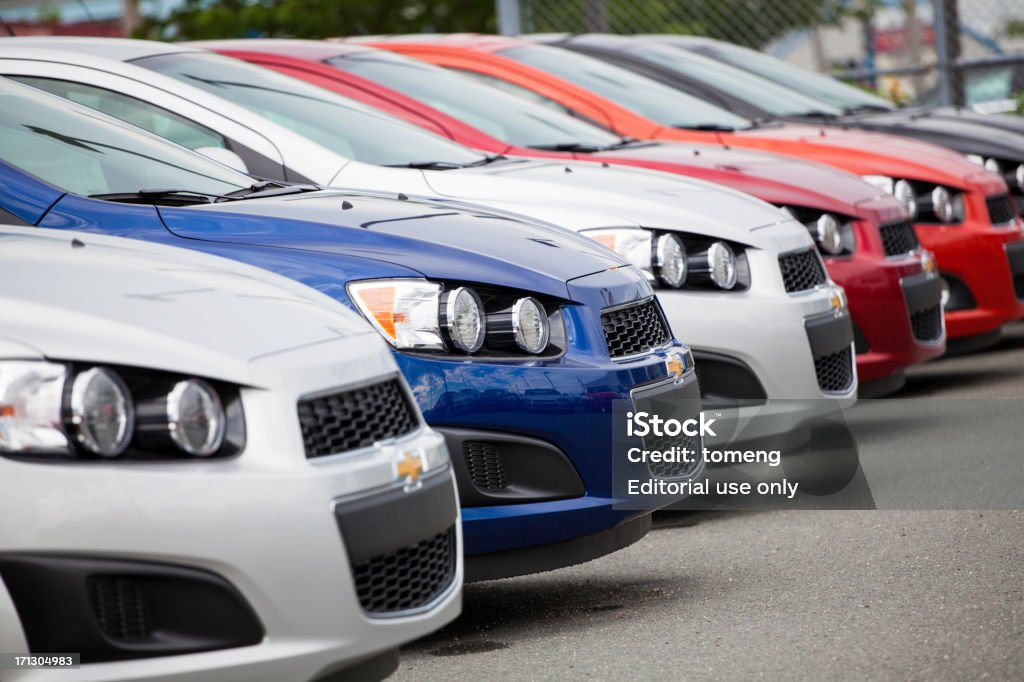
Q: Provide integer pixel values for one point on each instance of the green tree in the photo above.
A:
(207, 19)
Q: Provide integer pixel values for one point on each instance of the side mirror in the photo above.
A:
(226, 157)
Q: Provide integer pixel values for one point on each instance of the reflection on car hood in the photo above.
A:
(440, 242)
(93, 298)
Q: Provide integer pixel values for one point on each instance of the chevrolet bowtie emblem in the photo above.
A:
(409, 467)
(675, 366)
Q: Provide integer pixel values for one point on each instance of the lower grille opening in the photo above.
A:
(1000, 209)
(674, 469)
(119, 607)
(927, 323)
(1018, 285)
(408, 578)
(835, 371)
(484, 464)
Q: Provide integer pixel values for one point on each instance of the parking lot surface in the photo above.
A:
(908, 594)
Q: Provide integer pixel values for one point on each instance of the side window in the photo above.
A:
(141, 114)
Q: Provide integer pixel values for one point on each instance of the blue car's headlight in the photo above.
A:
(419, 315)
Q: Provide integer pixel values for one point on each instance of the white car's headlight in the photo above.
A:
(74, 411)
(418, 315)
(677, 260)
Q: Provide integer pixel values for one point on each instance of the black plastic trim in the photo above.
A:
(829, 333)
(960, 296)
(534, 470)
(921, 291)
(187, 610)
(727, 382)
(388, 521)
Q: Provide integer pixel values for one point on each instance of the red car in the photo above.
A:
(977, 246)
(870, 248)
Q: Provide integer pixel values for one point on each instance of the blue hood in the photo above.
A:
(436, 241)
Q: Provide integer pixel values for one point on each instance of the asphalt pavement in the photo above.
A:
(907, 594)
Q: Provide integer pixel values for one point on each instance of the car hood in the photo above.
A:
(588, 195)
(1004, 121)
(435, 240)
(91, 298)
(777, 179)
(967, 136)
(869, 153)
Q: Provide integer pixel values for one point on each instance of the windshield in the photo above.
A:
(650, 98)
(764, 94)
(822, 88)
(342, 125)
(499, 114)
(81, 151)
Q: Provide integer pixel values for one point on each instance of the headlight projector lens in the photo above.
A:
(942, 204)
(722, 262)
(671, 257)
(102, 415)
(195, 418)
(530, 325)
(464, 319)
(826, 233)
(903, 191)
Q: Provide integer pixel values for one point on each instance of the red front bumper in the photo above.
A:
(879, 307)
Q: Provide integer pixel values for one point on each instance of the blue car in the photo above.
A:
(504, 330)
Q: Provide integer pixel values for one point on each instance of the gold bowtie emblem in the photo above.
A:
(409, 467)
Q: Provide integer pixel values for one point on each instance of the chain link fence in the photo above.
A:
(935, 50)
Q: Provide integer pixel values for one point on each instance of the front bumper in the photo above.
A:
(975, 254)
(263, 524)
(885, 296)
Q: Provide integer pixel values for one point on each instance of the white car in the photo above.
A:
(754, 302)
(178, 501)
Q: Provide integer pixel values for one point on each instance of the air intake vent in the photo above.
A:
(484, 465)
(802, 270)
(355, 419)
(635, 329)
(119, 607)
(927, 323)
(408, 578)
(1000, 209)
(898, 238)
(835, 371)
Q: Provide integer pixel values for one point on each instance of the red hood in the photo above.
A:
(867, 153)
(773, 178)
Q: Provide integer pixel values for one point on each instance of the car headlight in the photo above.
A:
(195, 418)
(827, 234)
(1018, 176)
(677, 260)
(992, 166)
(462, 317)
(716, 264)
(74, 412)
(530, 325)
(418, 315)
(102, 416)
(671, 260)
(904, 193)
(942, 204)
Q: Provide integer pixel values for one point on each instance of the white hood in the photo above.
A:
(75, 296)
(582, 196)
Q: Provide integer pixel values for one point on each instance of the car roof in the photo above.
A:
(120, 49)
(312, 50)
(476, 41)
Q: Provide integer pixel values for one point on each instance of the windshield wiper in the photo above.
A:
(628, 142)
(268, 188)
(568, 147)
(182, 197)
(815, 113)
(490, 158)
(865, 109)
(713, 127)
(427, 165)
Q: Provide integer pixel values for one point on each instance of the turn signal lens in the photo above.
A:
(404, 311)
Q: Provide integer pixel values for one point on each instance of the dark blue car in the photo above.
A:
(503, 329)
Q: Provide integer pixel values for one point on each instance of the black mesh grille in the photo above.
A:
(898, 238)
(835, 371)
(801, 270)
(633, 330)
(355, 419)
(407, 578)
(674, 469)
(927, 323)
(484, 465)
(1000, 209)
(119, 607)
